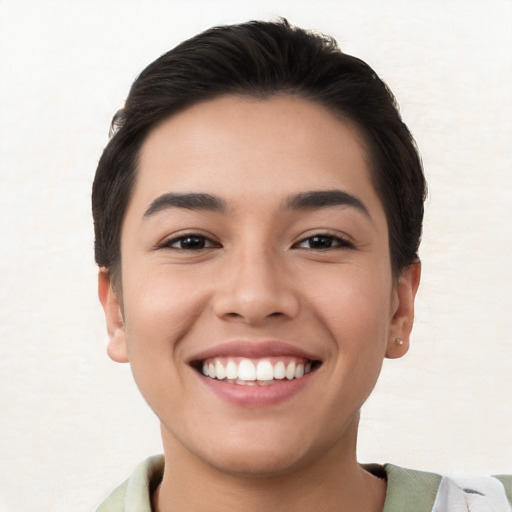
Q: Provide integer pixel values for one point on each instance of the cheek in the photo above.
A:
(356, 310)
(355, 299)
(159, 312)
(158, 317)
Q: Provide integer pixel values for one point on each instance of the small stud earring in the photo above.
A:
(399, 341)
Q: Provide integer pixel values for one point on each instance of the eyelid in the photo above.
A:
(168, 241)
(344, 241)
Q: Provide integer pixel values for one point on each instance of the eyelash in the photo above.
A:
(337, 242)
(204, 242)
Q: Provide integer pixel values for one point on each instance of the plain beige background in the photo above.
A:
(73, 425)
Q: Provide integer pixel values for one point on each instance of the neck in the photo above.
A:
(333, 482)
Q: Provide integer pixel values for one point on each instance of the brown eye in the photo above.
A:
(190, 243)
(323, 242)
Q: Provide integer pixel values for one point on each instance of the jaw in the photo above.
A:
(264, 449)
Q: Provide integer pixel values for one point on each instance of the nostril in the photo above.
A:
(233, 315)
(254, 305)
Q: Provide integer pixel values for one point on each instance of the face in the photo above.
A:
(257, 295)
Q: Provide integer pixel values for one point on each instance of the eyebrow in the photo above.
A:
(302, 201)
(192, 201)
(325, 199)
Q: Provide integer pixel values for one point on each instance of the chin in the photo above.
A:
(259, 455)
(258, 464)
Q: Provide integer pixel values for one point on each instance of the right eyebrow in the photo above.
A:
(324, 199)
(192, 201)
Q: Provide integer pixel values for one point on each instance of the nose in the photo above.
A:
(255, 289)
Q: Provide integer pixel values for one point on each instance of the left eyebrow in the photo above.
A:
(325, 199)
(194, 201)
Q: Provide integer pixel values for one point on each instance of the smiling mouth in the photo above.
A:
(256, 372)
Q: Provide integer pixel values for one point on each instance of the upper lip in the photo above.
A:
(253, 349)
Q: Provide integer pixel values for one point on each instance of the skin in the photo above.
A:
(259, 277)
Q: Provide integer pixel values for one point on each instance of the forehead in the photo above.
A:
(250, 149)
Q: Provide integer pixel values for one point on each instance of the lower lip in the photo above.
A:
(256, 396)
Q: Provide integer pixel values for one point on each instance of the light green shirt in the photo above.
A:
(407, 491)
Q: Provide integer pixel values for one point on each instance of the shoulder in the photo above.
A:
(135, 493)
(430, 492)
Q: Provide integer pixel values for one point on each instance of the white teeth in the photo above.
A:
(264, 371)
(290, 371)
(279, 370)
(231, 370)
(246, 370)
(220, 371)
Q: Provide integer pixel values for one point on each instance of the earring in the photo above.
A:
(399, 341)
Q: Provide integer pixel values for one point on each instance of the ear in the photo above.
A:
(116, 348)
(404, 294)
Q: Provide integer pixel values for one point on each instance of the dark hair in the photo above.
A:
(260, 59)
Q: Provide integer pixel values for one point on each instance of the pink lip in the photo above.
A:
(256, 396)
(253, 349)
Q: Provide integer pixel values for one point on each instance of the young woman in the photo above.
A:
(258, 212)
